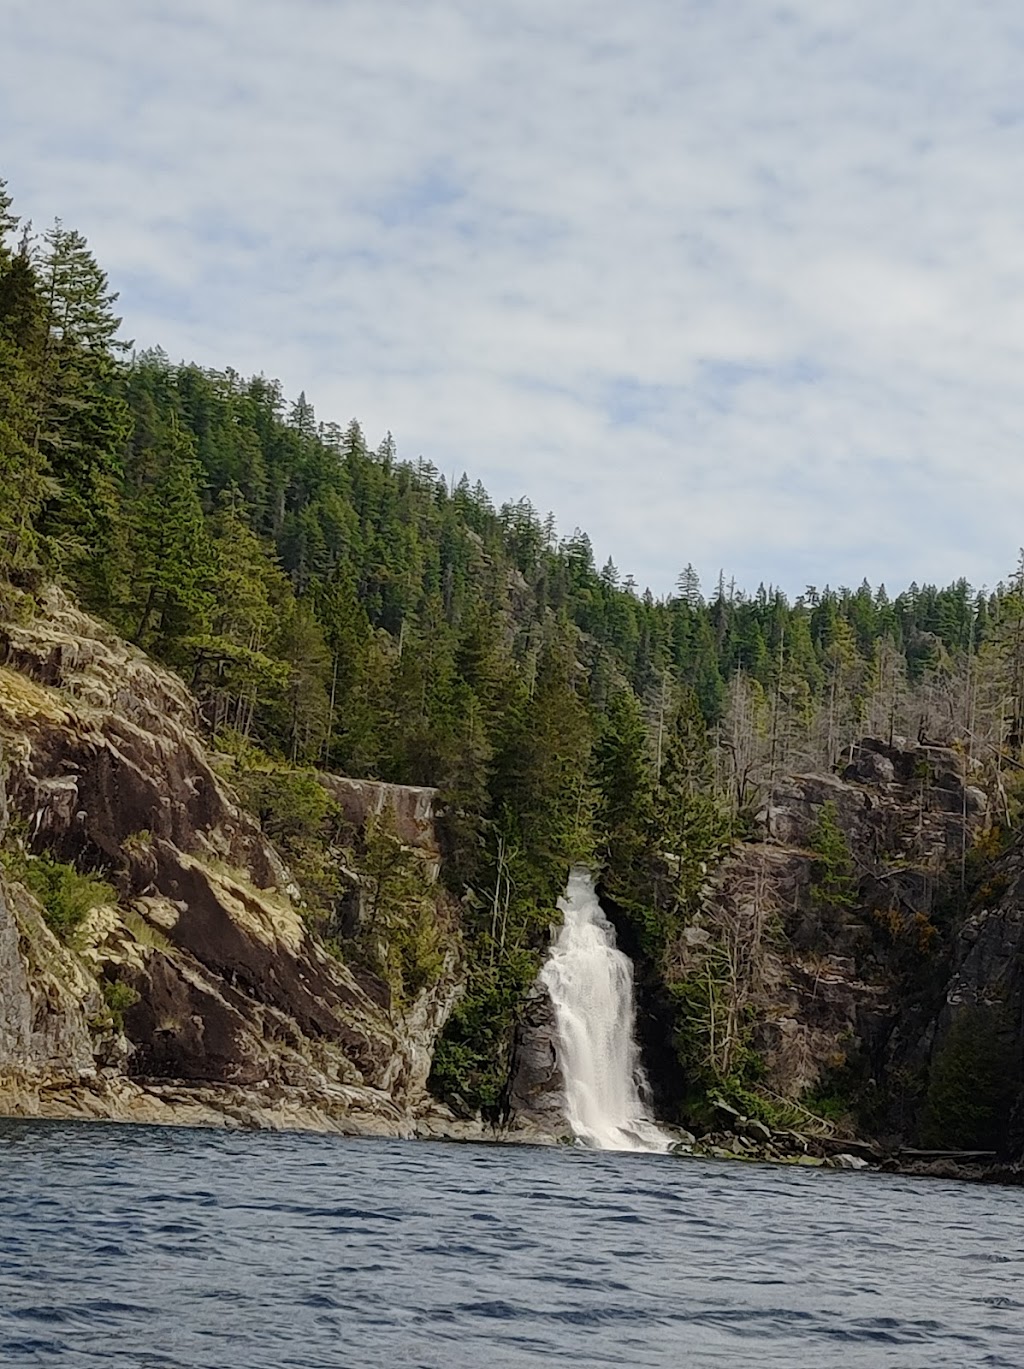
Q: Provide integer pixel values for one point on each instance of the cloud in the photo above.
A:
(735, 284)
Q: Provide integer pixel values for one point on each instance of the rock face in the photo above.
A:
(825, 984)
(536, 1101)
(46, 999)
(893, 802)
(236, 999)
(413, 810)
(972, 1035)
(829, 986)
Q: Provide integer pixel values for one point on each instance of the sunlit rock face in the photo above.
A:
(236, 999)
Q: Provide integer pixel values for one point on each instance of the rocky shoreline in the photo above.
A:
(109, 1096)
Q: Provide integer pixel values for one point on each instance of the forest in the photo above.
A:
(334, 607)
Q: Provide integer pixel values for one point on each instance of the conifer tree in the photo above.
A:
(171, 553)
(23, 470)
(833, 885)
(233, 670)
(301, 714)
(80, 423)
(624, 780)
(690, 828)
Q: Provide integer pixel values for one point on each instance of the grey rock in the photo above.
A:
(106, 762)
(754, 1129)
(871, 768)
(537, 1092)
(845, 1161)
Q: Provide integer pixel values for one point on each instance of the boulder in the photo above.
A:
(846, 1161)
(753, 1129)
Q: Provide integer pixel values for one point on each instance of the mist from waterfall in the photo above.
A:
(590, 982)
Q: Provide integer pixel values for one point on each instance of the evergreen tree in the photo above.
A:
(81, 424)
(301, 715)
(690, 828)
(624, 781)
(833, 884)
(172, 557)
(24, 485)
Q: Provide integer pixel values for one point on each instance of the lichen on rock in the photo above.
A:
(227, 987)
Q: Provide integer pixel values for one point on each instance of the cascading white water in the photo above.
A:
(590, 983)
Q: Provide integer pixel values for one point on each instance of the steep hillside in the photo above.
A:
(189, 984)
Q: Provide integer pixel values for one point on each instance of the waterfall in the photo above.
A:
(590, 983)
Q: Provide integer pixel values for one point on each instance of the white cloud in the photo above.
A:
(731, 283)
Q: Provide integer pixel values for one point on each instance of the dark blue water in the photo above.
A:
(171, 1249)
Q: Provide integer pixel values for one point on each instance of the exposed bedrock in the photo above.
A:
(106, 769)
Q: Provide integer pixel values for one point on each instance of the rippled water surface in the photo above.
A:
(176, 1249)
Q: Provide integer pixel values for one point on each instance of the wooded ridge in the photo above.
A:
(335, 609)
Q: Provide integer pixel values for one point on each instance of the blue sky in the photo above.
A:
(730, 282)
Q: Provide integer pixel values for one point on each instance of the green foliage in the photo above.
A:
(401, 929)
(691, 829)
(81, 422)
(540, 785)
(833, 883)
(300, 817)
(138, 843)
(118, 997)
(471, 1063)
(625, 786)
(715, 1051)
(292, 805)
(65, 894)
(169, 596)
(973, 1082)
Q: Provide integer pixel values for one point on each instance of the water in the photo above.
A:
(591, 986)
(140, 1248)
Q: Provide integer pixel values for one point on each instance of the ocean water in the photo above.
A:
(146, 1248)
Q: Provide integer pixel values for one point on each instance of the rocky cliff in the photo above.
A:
(895, 1009)
(196, 991)
(836, 978)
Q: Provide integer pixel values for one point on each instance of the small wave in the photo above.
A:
(140, 1252)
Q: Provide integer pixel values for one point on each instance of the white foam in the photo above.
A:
(590, 982)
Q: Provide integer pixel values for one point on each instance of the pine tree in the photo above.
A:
(690, 827)
(624, 781)
(24, 483)
(301, 714)
(540, 789)
(172, 557)
(81, 423)
(233, 670)
(833, 882)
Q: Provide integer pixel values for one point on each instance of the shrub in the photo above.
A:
(292, 805)
(300, 817)
(119, 997)
(65, 895)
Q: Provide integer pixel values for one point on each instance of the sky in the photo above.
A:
(734, 283)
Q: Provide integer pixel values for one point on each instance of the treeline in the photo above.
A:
(341, 608)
